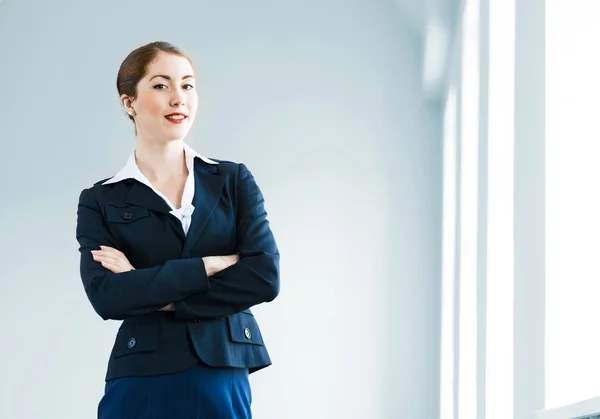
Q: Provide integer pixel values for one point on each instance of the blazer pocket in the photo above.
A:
(136, 338)
(243, 328)
(125, 214)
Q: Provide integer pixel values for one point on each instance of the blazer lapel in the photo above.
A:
(207, 192)
(141, 195)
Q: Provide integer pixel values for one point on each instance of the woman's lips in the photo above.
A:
(177, 120)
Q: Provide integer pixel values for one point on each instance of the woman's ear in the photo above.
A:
(127, 103)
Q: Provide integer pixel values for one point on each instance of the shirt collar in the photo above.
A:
(132, 171)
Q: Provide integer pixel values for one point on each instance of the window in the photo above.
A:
(572, 202)
(468, 232)
(448, 258)
(500, 212)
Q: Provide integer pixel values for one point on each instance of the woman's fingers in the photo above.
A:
(104, 256)
(232, 259)
(106, 260)
(110, 267)
(112, 259)
(110, 251)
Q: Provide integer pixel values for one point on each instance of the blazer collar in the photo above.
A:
(208, 188)
(141, 194)
(132, 171)
(209, 185)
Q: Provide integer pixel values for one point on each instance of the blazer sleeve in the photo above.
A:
(141, 291)
(254, 279)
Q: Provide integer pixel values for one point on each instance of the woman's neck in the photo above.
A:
(161, 161)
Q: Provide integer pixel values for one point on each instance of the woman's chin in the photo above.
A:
(175, 134)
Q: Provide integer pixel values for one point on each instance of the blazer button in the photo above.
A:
(131, 343)
(247, 333)
(127, 216)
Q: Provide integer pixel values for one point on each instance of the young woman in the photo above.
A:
(178, 246)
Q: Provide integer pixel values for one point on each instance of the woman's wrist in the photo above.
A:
(209, 265)
(224, 263)
(214, 264)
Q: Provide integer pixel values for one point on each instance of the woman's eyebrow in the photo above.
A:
(169, 78)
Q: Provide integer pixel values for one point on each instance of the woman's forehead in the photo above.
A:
(171, 65)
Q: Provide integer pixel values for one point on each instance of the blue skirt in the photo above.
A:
(201, 392)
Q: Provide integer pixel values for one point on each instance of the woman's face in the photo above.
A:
(166, 102)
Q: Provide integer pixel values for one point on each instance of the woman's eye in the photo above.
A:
(159, 85)
(190, 86)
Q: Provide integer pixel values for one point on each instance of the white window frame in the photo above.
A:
(527, 284)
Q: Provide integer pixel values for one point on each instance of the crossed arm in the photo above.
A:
(116, 262)
(193, 288)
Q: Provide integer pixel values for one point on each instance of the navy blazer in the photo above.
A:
(212, 320)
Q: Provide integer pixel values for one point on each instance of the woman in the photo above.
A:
(177, 246)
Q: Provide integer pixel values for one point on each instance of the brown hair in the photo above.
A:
(135, 66)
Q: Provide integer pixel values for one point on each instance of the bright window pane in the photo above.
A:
(500, 220)
(448, 258)
(572, 200)
(469, 179)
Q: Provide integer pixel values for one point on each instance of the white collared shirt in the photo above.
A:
(184, 214)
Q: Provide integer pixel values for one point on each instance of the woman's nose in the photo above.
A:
(177, 99)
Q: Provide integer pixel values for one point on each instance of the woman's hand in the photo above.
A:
(112, 259)
(216, 264)
(116, 262)
(213, 265)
